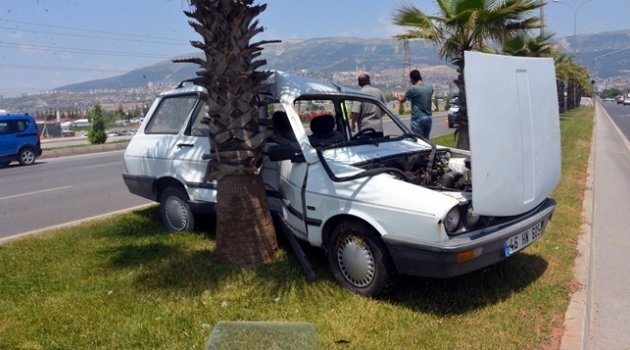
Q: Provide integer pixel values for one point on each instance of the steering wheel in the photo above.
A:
(362, 133)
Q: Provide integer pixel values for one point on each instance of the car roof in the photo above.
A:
(7, 116)
(284, 87)
(287, 87)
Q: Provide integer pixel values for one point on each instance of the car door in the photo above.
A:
(293, 188)
(188, 152)
(170, 144)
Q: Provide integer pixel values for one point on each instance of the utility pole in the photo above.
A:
(575, 11)
(406, 62)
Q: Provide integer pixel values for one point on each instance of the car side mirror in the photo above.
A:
(285, 152)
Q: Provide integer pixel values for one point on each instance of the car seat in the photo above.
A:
(323, 131)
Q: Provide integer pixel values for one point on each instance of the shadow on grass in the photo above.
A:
(171, 266)
(147, 222)
(131, 255)
(459, 295)
(139, 223)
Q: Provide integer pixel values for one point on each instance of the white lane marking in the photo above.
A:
(100, 165)
(35, 192)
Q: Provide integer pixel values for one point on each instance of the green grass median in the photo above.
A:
(125, 283)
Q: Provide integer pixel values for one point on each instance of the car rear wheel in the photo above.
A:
(359, 260)
(27, 156)
(175, 210)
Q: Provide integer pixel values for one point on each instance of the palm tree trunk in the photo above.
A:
(245, 232)
(560, 88)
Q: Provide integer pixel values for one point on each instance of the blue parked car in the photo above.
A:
(19, 139)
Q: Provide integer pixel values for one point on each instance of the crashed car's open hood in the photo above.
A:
(514, 131)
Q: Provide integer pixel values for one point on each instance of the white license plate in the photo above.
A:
(523, 239)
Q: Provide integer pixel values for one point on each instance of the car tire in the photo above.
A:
(451, 125)
(175, 210)
(27, 156)
(359, 259)
(4, 164)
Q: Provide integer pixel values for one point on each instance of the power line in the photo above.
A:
(61, 68)
(78, 50)
(90, 30)
(138, 40)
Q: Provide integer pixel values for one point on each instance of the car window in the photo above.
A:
(371, 117)
(198, 128)
(4, 128)
(22, 125)
(171, 115)
(13, 126)
(323, 121)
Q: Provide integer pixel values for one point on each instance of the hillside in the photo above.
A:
(316, 56)
(336, 59)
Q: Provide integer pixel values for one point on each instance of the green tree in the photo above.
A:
(522, 44)
(611, 92)
(96, 132)
(575, 77)
(467, 25)
(570, 74)
(245, 232)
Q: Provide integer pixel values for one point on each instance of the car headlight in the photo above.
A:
(452, 220)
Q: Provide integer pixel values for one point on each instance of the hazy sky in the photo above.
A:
(49, 43)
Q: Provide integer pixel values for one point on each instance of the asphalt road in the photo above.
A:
(608, 283)
(438, 128)
(61, 190)
(620, 114)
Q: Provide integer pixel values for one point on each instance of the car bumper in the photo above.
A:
(452, 258)
(143, 186)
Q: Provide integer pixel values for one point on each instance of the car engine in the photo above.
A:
(435, 169)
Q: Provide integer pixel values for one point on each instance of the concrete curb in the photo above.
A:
(73, 151)
(577, 315)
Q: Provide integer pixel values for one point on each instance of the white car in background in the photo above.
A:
(380, 205)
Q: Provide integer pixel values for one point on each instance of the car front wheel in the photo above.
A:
(26, 156)
(175, 210)
(359, 260)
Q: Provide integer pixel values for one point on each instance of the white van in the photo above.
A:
(379, 204)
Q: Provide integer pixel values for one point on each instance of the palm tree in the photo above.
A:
(568, 73)
(524, 45)
(467, 25)
(245, 232)
(575, 77)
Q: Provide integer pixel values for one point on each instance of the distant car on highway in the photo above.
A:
(453, 114)
(19, 139)
(67, 133)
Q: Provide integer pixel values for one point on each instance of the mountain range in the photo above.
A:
(344, 54)
(324, 56)
(606, 55)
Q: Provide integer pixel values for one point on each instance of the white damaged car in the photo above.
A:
(379, 202)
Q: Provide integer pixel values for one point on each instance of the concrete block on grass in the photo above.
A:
(263, 335)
